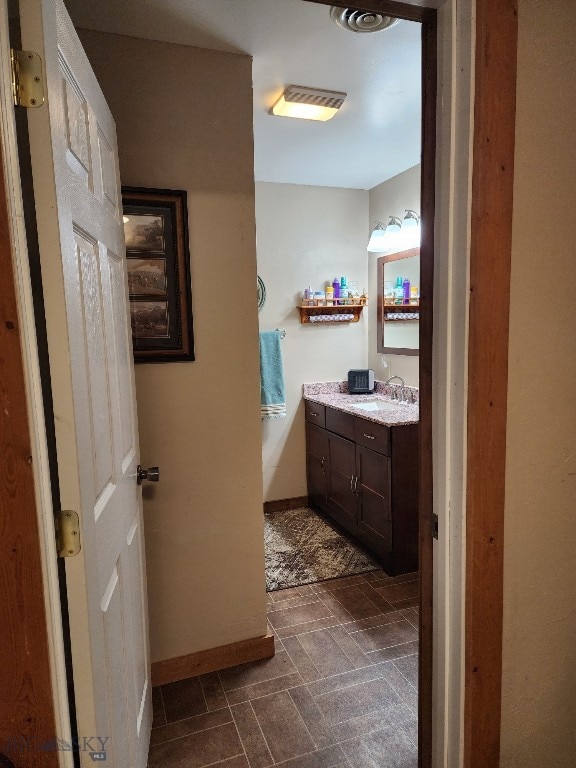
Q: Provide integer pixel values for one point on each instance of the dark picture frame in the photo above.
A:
(158, 267)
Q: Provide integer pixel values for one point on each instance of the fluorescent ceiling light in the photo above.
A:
(308, 103)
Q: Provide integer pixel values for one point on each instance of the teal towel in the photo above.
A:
(272, 391)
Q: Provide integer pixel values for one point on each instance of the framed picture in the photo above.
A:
(158, 266)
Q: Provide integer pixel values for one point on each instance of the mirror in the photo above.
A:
(399, 304)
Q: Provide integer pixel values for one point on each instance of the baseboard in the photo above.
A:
(280, 505)
(212, 659)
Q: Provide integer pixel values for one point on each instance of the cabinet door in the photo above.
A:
(316, 464)
(373, 491)
(341, 475)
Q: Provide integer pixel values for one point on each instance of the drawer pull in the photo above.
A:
(370, 437)
(313, 413)
(322, 462)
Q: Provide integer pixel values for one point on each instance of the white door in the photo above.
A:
(78, 205)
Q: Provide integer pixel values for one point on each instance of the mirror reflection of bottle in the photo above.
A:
(388, 292)
(398, 291)
(406, 291)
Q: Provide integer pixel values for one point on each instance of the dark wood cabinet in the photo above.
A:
(364, 475)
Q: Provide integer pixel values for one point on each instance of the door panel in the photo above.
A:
(316, 482)
(80, 230)
(341, 471)
(374, 502)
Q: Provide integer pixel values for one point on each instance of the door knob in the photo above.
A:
(151, 474)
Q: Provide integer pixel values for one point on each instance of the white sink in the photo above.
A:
(374, 405)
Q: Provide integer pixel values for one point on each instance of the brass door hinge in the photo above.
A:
(27, 80)
(67, 533)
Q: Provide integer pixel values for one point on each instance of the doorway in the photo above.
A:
(500, 285)
(426, 19)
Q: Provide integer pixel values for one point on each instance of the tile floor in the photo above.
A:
(341, 691)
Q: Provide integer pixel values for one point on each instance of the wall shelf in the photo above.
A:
(345, 313)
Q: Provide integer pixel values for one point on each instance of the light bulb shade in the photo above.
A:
(411, 220)
(392, 234)
(308, 103)
(410, 234)
(377, 242)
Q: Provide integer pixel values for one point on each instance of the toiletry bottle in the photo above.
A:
(329, 296)
(414, 295)
(398, 291)
(336, 286)
(343, 290)
(388, 292)
(406, 291)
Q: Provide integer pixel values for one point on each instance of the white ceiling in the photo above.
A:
(376, 133)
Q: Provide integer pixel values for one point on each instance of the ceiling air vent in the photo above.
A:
(361, 21)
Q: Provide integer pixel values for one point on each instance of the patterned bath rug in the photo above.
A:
(301, 548)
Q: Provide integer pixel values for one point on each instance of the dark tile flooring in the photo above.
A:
(341, 691)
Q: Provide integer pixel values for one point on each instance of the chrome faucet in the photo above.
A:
(395, 377)
(395, 394)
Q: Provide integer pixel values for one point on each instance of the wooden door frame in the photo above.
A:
(33, 694)
(491, 217)
(27, 714)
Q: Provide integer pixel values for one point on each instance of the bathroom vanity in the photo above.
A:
(362, 470)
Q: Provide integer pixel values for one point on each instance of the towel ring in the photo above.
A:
(261, 293)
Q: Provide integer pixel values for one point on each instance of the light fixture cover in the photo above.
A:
(377, 243)
(308, 103)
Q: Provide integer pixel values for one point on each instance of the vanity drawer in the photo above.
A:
(341, 423)
(372, 435)
(315, 413)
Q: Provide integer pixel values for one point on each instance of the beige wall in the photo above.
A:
(539, 650)
(198, 421)
(391, 198)
(306, 235)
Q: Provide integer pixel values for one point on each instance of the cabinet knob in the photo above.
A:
(152, 474)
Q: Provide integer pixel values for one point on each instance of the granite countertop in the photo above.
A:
(394, 413)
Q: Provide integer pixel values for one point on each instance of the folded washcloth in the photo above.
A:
(272, 391)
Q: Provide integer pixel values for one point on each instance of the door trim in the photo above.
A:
(490, 256)
(31, 503)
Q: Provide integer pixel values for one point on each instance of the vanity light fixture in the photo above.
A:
(308, 103)
(397, 235)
